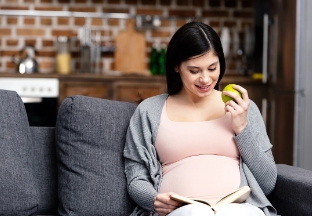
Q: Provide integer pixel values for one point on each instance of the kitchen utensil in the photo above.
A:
(25, 60)
(130, 53)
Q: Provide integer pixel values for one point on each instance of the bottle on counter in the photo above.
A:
(161, 60)
(154, 59)
(63, 56)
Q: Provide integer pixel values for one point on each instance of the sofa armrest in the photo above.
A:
(293, 191)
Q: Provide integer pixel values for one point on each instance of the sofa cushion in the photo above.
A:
(18, 189)
(45, 168)
(90, 136)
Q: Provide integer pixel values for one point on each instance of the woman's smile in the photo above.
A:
(204, 88)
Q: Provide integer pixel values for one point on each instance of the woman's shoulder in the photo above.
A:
(150, 108)
(153, 102)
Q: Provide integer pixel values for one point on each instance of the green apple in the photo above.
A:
(230, 88)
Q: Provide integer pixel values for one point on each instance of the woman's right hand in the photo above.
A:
(163, 205)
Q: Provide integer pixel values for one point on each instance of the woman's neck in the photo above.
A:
(196, 101)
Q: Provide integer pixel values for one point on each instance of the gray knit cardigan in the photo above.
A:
(143, 169)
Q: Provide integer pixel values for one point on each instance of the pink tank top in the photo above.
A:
(199, 159)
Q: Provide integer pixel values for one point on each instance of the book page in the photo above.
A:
(239, 196)
(186, 200)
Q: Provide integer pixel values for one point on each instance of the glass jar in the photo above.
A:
(63, 57)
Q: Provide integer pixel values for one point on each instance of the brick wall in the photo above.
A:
(41, 32)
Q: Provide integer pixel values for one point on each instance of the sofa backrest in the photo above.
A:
(19, 193)
(76, 168)
(90, 135)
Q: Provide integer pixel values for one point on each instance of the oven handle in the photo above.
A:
(31, 99)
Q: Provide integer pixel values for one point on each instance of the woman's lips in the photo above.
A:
(203, 88)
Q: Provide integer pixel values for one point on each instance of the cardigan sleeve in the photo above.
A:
(141, 165)
(255, 149)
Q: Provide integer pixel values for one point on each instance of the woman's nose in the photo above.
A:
(204, 78)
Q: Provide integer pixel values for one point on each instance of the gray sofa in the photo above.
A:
(76, 168)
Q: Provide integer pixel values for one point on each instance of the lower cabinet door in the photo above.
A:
(91, 89)
(135, 91)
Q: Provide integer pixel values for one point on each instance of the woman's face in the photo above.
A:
(200, 74)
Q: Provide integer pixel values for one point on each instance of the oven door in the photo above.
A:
(41, 111)
(40, 97)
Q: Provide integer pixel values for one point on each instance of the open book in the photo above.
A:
(238, 196)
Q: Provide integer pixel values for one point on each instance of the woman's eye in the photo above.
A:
(212, 69)
(193, 72)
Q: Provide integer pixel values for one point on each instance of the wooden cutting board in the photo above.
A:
(130, 53)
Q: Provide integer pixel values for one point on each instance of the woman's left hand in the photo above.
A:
(238, 109)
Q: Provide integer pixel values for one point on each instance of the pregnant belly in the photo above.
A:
(207, 177)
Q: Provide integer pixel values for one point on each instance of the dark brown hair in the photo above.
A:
(192, 39)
